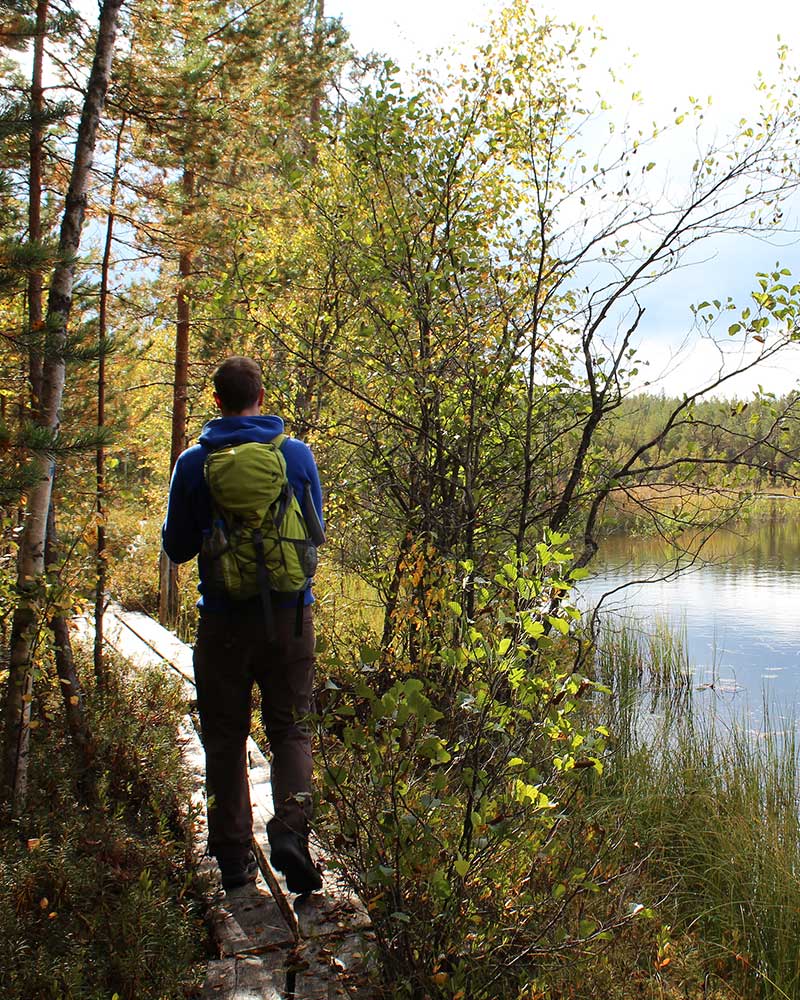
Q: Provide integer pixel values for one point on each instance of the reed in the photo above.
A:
(714, 807)
(648, 674)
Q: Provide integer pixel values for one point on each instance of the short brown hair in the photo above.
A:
(238, 384)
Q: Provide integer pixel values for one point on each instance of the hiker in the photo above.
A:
(266, 637)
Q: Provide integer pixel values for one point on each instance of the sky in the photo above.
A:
(682, 47)
(667, 52)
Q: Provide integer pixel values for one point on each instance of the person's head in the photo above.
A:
(237, 386)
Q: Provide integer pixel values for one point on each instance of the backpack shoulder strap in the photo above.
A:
(279, 439)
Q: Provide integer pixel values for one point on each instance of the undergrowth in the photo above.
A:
(98, 895)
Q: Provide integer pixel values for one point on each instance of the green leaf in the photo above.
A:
(434, 750)
(558, 624)
(533, 628)
(461, 866)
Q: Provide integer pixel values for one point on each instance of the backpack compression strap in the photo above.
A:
(263, 585)
(263, 578)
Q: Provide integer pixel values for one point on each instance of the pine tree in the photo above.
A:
(221, 99)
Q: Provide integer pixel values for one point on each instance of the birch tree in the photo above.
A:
(32, 544)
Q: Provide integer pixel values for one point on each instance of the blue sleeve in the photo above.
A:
(301, 471)
(182, 534)
(315, 487)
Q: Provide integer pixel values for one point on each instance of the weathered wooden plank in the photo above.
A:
(249, 919)
(164, 643)
(242, 979)
(320, 915)
(337, 932)
(220, 979)
(254, 980)
(332, 968)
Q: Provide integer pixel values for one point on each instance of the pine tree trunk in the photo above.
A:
(100, 457)
(30, 570)
(35, 314)
(25, 623)
(180, 396)
(316, 96)
(71, 691)
(169, 597)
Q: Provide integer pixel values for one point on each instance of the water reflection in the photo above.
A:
(738, 605)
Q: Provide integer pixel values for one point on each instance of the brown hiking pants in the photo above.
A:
(230, 655)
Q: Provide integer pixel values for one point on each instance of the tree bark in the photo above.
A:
(180, 396)
(317, 92)
(100, 457)
(30, 569)
(65, 663)
(71, 690)
(24, 628)
(169, 597)
(36, 143)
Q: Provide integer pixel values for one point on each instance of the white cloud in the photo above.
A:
(686, 367)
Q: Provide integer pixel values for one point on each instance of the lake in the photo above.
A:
(739, 608)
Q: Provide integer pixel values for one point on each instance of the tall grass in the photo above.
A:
(649, 675)
(714, 808)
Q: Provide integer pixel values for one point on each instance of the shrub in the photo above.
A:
(103, 900)
(454, 800)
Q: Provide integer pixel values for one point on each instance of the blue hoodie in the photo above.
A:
(189, 510)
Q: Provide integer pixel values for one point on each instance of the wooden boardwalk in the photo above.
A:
(268, 948)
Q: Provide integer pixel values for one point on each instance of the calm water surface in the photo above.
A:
(740, 609)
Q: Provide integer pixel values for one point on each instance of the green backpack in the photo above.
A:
(259, 543)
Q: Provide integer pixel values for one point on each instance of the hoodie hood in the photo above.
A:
(222, 432)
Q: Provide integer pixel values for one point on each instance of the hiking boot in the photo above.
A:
(289, 854)
(238, 871)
